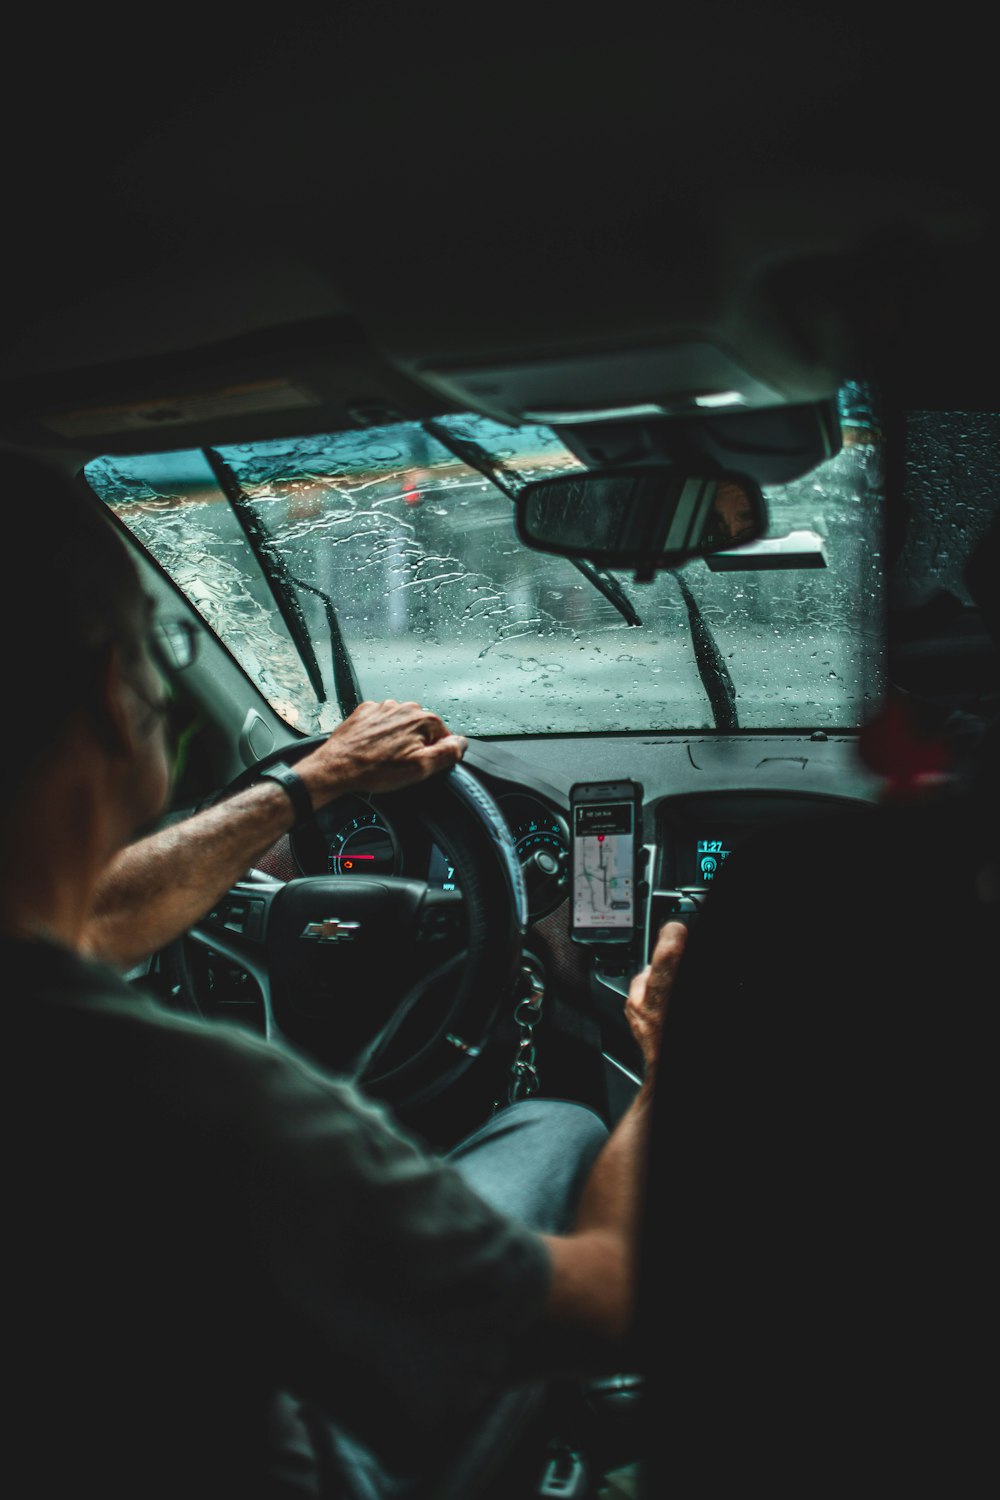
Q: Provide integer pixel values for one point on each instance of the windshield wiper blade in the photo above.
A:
(345, 678)
(712, 669)
(477, 458)
(609, 586)
(469, 452)
(272, 565)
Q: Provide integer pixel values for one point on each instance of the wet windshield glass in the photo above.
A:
(388, 551)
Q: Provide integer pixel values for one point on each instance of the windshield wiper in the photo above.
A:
(282, 585)
(712, 669)
(477, 458)
(609, 586)
(345, 679)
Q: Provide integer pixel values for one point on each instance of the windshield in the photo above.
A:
(375, 564)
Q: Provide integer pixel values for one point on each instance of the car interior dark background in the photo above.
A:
(306, 314)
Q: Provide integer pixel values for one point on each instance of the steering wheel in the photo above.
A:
(386, 979)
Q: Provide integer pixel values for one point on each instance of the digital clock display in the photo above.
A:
(710, 856)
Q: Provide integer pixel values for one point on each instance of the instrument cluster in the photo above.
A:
(354, 836)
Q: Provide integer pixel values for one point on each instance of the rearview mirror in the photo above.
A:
(646, 518)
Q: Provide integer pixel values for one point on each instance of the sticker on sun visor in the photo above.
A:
(175, 411)
(468, 788)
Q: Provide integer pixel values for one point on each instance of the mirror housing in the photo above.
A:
(799, 549)
(648, 518)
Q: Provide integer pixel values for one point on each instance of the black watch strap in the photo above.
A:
(294, 786)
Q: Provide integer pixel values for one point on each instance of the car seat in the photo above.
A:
(819, 1251)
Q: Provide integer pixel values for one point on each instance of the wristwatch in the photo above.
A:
(295, 787)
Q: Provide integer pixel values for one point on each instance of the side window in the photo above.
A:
(952, 483)
(941, 644)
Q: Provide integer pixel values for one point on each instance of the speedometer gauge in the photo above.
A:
(361, 845)
(541, 837)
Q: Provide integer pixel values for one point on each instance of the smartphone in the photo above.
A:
(605, 835)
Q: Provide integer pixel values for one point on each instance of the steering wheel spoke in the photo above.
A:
(235, 931)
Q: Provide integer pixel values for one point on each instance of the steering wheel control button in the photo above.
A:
(441, 917)
(255, 920)
(330, 930)
(244, 917)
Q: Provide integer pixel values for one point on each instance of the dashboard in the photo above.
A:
(703, 797)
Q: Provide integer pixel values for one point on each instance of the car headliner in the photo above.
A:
(349, 208)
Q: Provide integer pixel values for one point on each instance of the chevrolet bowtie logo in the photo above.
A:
(330, 930)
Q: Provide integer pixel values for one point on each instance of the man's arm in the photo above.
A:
(593, 1269)
(157, 887)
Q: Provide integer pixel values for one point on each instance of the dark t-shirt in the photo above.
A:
(195, 1218)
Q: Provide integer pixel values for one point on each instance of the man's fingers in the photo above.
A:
(432, 728)
(649, 991)
(637, 988)
(666, 956)
(445, 752)
(380, 747)
(669, 943)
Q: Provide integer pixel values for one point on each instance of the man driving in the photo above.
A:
(204, 1228)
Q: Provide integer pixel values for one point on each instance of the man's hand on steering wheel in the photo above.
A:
(157, 887)
(380, 747)
(312, 943)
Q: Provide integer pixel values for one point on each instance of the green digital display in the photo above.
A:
(710, 856)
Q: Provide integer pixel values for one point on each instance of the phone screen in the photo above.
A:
(604, 867)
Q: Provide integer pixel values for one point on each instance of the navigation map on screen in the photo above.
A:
(603, 865)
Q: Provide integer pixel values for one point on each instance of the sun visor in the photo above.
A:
(680, 378)
(772, 446)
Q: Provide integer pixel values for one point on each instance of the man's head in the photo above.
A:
(74, 623)
(733, 515)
